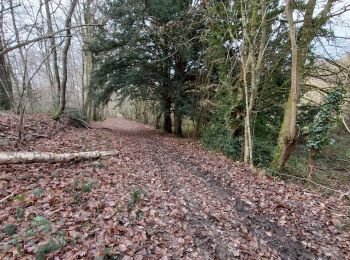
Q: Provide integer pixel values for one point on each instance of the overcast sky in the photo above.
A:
(341, 28)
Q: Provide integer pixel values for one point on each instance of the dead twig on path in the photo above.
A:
(7, 197)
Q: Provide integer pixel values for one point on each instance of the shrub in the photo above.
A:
(217, 137)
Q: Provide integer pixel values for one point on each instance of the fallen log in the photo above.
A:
(37, 157)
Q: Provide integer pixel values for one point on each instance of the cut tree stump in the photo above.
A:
(36, 157)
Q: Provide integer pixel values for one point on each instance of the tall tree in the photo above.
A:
(55, 65)
(88, 14)
(311, 26)
(65, 50)
(255, 39)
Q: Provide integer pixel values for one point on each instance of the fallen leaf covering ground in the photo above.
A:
(161, 198)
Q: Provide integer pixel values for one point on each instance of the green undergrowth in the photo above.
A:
(332, 164)
(38, 234)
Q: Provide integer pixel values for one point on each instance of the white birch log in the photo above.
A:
(35, 157)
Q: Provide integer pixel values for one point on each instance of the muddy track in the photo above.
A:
(257, 224)
(214, 236)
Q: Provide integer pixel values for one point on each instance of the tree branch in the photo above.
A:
(9, 49)
(9, 8)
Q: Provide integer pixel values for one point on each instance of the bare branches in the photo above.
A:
(37, 39)
(10, 8)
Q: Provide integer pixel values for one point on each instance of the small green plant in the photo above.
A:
(14, 242)
(38, 193)
(38, 225)
(136, 197)
(19, 197)
(41, 224)
(20, 213)
(87, 187)
(10, 229)
(48, 248)
(38, 231)
(79, 187)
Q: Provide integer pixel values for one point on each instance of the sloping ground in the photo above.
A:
(161, 197)
(34, 127)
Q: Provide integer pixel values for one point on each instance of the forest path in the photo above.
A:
(218, 210)
(161, 197)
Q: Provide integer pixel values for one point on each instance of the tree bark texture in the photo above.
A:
(54, 53)
(167, 125)
(254, 21)
(40, 157)
(65, 57)
(287, 137)
(6, 91)
(177, 123)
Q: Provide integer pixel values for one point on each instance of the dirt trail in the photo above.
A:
(162, 197)
(218, 218)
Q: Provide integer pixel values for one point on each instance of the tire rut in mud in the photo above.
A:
(258, 224)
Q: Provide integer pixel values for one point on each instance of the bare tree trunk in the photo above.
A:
(87, 55)
(14, 81)
(247, 158)
(252, 54)
(159, 116)
(28, 91)
(47, 51)
(54, 52)
(65, 57)
(6, 93)
(87, 69)
(50, 77)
